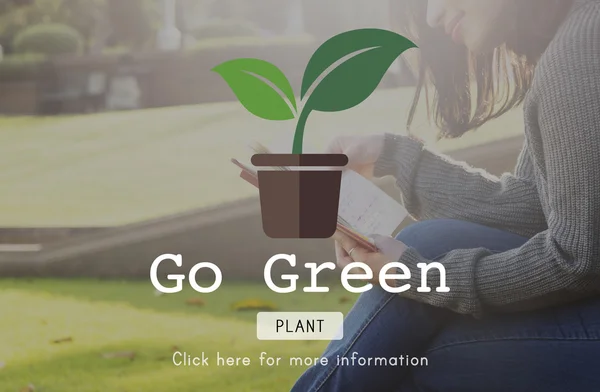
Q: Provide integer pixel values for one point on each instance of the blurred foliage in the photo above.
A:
(270, 15)
(225, 28)
(21, 67)
(83, 15)
(28, 66)
(132, 23)
(241, 42)
(49, 39)
(17, 18)
(7, 5)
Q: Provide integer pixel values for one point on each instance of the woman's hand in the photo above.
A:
(347, 251)
(362, 152)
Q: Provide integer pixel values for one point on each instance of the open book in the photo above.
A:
(364, 209)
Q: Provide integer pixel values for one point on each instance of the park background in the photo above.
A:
(115, 140)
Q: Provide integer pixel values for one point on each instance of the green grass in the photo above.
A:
(107, 317)
(123, 167)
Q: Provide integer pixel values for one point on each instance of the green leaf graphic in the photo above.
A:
(355, 79)
(250, 81)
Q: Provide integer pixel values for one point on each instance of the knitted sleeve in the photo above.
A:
(434, 186)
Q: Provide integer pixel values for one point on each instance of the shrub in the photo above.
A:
(21, 67)
(224, 29)
(49, 39)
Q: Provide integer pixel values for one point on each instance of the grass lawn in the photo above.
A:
(123, 167)
(85, 335)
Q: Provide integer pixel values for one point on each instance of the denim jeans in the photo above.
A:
(551, 350)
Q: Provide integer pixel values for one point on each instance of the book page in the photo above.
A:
(368, 209)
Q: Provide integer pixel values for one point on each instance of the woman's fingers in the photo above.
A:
(347, 252)
(339, 251)
(341, 256)
(345, 241)
(350, 247)
(360, 255)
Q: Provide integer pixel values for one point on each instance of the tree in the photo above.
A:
(6, 5)
(134, 22)
(15, 15)
(84, 16)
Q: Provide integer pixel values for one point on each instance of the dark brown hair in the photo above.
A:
(499, 79)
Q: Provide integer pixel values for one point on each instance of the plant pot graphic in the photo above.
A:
(301, 202)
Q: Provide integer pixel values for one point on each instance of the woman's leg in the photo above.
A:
(550, 350)
(383, 325)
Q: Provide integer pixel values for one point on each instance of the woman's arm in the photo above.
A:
(563, 262)
(434, 186)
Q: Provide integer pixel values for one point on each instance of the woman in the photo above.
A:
(521, 252)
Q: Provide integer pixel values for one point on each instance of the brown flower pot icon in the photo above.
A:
(301, 202)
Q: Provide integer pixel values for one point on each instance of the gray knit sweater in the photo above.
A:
(553, 197)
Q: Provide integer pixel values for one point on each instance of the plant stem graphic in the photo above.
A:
(352, 65)
(299, 134)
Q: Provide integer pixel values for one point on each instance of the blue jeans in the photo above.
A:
(550, 350)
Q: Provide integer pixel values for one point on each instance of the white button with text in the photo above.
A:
(299, 326)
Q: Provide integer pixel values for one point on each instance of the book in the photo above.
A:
(364, 209)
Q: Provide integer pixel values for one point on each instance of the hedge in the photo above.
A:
(21, 67)
(50, 39)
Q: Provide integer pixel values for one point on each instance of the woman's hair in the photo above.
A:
(499, 79)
